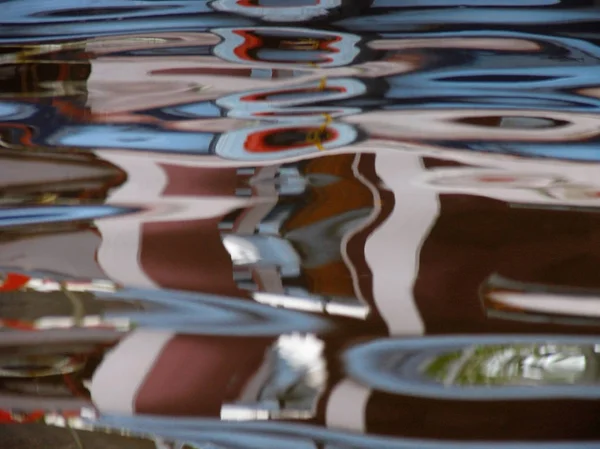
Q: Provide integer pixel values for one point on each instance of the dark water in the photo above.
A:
(299, 224)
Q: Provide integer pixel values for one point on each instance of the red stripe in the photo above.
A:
(14, 281)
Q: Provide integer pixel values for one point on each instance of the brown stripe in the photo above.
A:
(356, 245)
(188, 255)
(475, 237)
(195, 375)
(197, 181)
(523, 420)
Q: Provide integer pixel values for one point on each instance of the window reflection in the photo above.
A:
(516, 364)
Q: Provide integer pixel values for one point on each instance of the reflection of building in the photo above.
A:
(517, 365)
(344, 235)
(170, 101)
(402, 242)
(292, 379)
(433, 392)
(320, 232)
(181, 69)
(347, 236)
(300, 247)
(195, 96)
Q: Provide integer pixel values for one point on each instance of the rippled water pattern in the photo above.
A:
(299, 224)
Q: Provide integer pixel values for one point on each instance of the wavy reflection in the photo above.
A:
(330, 223)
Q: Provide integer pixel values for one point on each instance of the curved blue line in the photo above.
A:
(22, 216)
(363, 362)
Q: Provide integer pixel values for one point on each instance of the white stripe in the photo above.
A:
(444, 124)
(352, 233)
(567, 305)
(346, 406)
(32, 403)
(120, 251)
(269, 279)
(123, 371)
(146, 180)
(253, 389)
(393, 250)
(119, 254)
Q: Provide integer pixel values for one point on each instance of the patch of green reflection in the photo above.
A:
(516, 364)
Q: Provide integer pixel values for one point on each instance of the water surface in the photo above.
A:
(299, 224)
